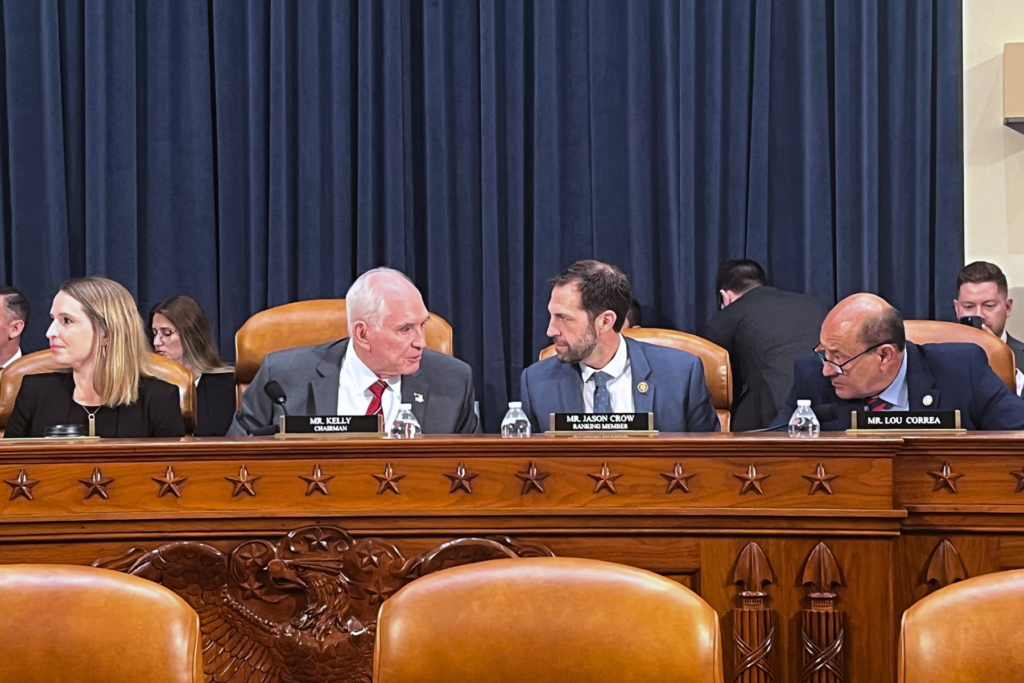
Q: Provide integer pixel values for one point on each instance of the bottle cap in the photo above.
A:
(515, 404)
(408, 406)
(803, 403)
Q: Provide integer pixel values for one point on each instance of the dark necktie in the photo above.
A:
(377, 389)
(875, 404)
(602, 398)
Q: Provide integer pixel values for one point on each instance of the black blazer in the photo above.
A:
(765, 331)
(45, 400)
(215, 403)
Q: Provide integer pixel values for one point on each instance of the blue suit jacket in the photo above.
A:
(677, 393)
(956, 376)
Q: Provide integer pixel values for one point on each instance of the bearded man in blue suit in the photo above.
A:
(597, 370)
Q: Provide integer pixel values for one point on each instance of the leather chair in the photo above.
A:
(967, 632)
(546, 620)
(1000, 356)
(67, 624)
(41, 361)
(717, 369)
(306, 323)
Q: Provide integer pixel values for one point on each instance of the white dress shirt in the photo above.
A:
(354, 389)
(1020, 375)
(620, 386)
(17, 355)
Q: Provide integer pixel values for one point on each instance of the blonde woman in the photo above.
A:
(97, 332)
(180, 331)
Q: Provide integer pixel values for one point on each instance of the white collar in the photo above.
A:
(16, 356)
(1004, 336)
(360, 375)
(898, 393)
(615, 367)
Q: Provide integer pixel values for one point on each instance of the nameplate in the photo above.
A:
(330, 426)
(911, 420)
(625, 423)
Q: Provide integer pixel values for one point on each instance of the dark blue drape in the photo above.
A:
(251, 153)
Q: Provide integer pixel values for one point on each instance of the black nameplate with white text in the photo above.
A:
(332, 424)
(602, 422)
(908, 420)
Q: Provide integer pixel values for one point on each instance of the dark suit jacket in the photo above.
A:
(215, 403)
(310, 377)
(677, 393)
(46, 400)
(956, 376)
(1017, 346)
(765, 331)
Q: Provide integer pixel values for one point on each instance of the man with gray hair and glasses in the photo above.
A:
(383, 363)
(864, 363)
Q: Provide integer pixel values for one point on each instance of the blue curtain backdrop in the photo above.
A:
(252, 153)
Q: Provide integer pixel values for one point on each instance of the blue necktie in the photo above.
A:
(602, 399)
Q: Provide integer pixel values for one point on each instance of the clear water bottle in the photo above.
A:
(405, 426)
(515, 425)
(804, 424)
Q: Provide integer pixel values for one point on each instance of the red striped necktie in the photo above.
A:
(377, 389)
(875, 404)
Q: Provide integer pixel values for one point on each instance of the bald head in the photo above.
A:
(860, 325)
(369, 296)
(387, 322)
(865, 318)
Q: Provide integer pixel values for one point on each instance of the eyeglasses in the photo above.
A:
(838, 367)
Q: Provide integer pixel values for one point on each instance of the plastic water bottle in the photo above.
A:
(804, 424)
(515, 425)
(405, 426)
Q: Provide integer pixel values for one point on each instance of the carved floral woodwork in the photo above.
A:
(303, 609)
(820, 480)
(751, 480)
(753, 630)
(945, 477)
(677, 479)
(21, 485)
(316, 481)
(96, 485)
(822, 631)
(170, 483)
(604, 479)
(945, 566)
(532, 479)
(461, 480)
(243, 482)
(389, 480)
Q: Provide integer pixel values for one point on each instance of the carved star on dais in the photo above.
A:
(170, 483)
(946, 477)
(21, 485)
(532, 478)
(604, 479)
(1019, 475)
(316, 481)
(243, 482)
(389, 480)
(96, 485)
(820, 480)
(751, 480)
(461, 480)
(677, 480)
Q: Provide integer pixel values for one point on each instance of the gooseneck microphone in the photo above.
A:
(826, 412)
(276, 394)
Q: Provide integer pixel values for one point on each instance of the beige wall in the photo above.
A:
(993, 153)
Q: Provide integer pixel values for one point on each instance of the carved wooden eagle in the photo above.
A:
(302, 610)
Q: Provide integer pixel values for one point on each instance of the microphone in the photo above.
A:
(276, 394)
(826, 412)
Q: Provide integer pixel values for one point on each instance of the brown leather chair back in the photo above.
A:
(546, 620)
(66, 624)
(42, 361)
(968, 632)
(306, 323)
(717, 370)
(1000, 356)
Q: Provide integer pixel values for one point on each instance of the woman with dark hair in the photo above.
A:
(178, 330)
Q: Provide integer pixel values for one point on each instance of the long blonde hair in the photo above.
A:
(119, 346)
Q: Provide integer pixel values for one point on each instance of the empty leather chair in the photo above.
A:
(717, 370)
(967, 632)
(306, 323)
(546, 620)
(42, 361)
(1000, 356)
(67, 624)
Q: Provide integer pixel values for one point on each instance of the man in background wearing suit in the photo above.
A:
(14, 311)
(597, 370)
(981, 290)
(382, 364)
(865, 363)
(764, 330)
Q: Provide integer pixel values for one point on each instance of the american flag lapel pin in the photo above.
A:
(417, 397)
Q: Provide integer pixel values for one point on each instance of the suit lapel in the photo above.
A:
(920, 381)
(414, 392)
(643, 401)
(324, 387)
